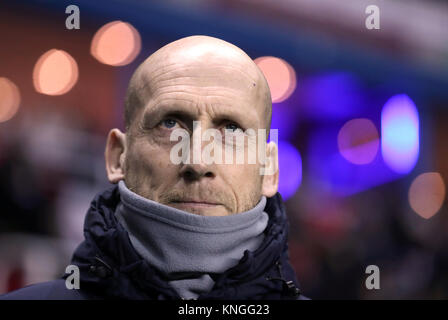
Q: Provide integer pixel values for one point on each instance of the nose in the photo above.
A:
(197, 168)
(193, 172)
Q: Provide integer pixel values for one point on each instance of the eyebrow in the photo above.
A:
(185, 113)
(157, 113)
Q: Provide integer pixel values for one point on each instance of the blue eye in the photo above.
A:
(169, 123)
(233, 127)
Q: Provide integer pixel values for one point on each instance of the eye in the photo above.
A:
(233, 127)
(169, 123)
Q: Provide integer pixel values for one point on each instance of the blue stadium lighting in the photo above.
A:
(400, 134)
(290, 165)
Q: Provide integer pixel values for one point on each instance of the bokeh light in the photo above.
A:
(55, 72)
(330, 96)
(358, 141)
(9, 99)
(290, 169)
(426, 194)
(280, 76)
(116, 43)
(400, 133)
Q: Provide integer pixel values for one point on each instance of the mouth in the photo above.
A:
(195, 203)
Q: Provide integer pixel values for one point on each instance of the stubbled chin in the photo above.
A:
(200, 209)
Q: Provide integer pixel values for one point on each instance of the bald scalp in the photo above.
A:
(188, 51)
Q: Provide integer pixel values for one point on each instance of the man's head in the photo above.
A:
(203, 79)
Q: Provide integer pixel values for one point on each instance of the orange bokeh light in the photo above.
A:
(116, 43)
(280, 75)
(9, 99)
(55, 73)
(426, 194)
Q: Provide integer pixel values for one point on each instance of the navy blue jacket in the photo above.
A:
(110, 268)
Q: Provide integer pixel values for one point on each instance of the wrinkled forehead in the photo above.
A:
(203, 72)
(204, 78)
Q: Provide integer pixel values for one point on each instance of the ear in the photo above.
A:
(115, 155)
(270, 171)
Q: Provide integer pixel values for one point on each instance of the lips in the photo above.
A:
(196, 202)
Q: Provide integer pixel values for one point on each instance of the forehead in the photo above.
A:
(219, 85)
(203, 73)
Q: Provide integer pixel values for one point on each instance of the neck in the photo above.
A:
(188, 248)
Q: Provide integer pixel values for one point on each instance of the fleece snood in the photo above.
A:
(187, 248)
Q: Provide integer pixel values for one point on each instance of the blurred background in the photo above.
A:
(362, 119)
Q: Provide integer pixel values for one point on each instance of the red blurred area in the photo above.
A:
(94, 96)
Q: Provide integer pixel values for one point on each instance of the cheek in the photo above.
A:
(149, 160)
(242, 177)
(245, 183)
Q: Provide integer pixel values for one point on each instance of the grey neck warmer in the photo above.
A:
(186, 248)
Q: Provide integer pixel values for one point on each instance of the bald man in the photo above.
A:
(195, 228)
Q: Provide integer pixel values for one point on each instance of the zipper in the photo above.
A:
(289, 286)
